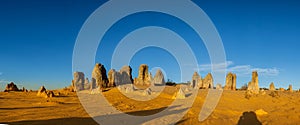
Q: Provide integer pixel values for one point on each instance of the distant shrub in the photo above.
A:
(170, 83)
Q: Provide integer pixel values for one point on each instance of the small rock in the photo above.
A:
(179, 95)
(260, 112)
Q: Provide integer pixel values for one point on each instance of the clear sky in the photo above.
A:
(37, 40)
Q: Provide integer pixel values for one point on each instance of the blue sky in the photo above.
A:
(38, 37)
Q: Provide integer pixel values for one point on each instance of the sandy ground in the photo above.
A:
(233, 108)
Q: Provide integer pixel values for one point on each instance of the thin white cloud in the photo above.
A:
(1, 73)
(217, 67)
(240, 70)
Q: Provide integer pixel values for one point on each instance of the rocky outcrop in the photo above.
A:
(112, 77)
(125, 75)
(196, 81)
(122, 77)
(230, 82)
(272, 87)
(96, 91)
(179, 95)
(208, 82)
(253, 85)
(99, 77)
(41, 91)
(144, 77)
(44, 93)
(281, 89)
(159, 78)
(290, 89)
(219, 87)
(24, 90)
(50, 94)
(78, 81)
(11, 87)
(86, 84)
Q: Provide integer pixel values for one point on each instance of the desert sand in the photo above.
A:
(233, 108)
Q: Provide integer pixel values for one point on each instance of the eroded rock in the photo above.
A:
(159, 78)
(230, 82)
(272, 87)
(253, 85)
(208, 81)
(144, 77)
(78, 81)
(99, 77)
(196, 81)
(11, 87)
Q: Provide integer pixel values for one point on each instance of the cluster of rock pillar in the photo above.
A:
(124, 76)
(115, 78)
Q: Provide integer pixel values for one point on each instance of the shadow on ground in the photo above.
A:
(89, 120)
(59, 121)
(249, 118)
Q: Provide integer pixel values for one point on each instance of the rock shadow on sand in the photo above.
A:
(90, 121)
(249, 118)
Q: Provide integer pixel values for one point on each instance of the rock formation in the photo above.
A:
(41, 90)
(50, 94)
(144, 77)
(230, 82)
(281, 89)
(179, 95)
(126, 77)
(99, 77)
(208, 82)
(196, 81)
(44, 93)
(86, 84)
(95, 91)
(78, 81)
(159, 78)
(272, 87)
(122, 77)
(261, 112)
(24, 90)
(219, 87)
(253, 85)
(112, 77)
(11, 87)
(290, 89)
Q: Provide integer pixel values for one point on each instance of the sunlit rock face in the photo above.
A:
(208, 81)
(253, 85)
(196, 81)
(272, 87)
(122, 77)
(144, 77)
(11, 87)
(99, 77)
(159, 78)
(230, 82)
(78, 81)
(290, 89)
(125, 76)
